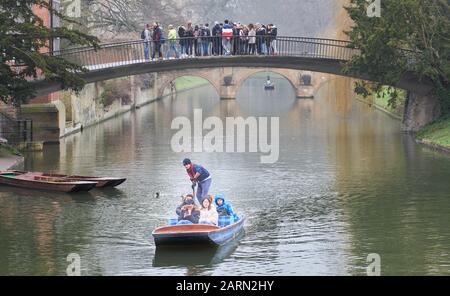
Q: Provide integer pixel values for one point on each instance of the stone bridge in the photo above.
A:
(226, 73)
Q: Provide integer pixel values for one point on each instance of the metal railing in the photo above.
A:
(124, 53)
(16, 131)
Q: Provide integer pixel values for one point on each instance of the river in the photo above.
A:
(347, 184)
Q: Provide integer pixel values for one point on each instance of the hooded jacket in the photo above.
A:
(225, 209)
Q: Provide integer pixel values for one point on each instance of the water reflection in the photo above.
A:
(347, 184)
(196, 256)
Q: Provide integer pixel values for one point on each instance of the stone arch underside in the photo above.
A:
(216, 78)
(164, 79)
(242, 74)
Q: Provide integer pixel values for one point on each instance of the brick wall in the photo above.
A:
(44, 14)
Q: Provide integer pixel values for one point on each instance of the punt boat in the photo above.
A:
(197, 234)
(101, 182)
(29, 180)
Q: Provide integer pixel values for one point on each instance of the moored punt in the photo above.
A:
(33, 181)
(101, 182)
(196, 234)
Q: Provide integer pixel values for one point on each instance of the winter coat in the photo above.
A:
(210, 215)
(157, 34)
(225, 209)
(184, 213)
(172, 35)
(252, 36)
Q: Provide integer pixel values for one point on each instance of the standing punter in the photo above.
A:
(199, 176)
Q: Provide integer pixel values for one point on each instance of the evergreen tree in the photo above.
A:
(23, 37)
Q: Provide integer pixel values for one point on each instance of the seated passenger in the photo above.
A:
(187, 212)
(224, 208)
(208, 212)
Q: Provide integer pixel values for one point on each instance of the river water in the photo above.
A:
(347, 184)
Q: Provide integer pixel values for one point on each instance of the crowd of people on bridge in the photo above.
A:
(227, 38)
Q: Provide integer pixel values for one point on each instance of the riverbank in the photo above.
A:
(381, 102)
(9, 157)
(436, 135)
(189, 82)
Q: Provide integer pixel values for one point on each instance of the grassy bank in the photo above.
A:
(9, 157)
(7, 150)
(436, 134)
(188, 82)
(381, 102)
(382, 99)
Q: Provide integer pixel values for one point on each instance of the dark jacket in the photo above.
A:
(184, 214)
(273, 32)
(157, 34)
(206, 33)
(204, 174)
(216, 31)
(181, 35)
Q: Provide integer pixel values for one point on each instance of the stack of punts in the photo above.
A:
(56, 182)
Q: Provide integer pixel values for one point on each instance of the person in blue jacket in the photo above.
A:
(199, 177)
(224, 208)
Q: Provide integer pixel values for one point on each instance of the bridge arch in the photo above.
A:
(164, 79)
(293, 76)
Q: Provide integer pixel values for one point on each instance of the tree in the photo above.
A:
(114, 16)
(410, 35)
(112, 19)
(108, 18)
(23, 37)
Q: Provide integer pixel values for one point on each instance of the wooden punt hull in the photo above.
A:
(101, 182)
(196, 234)
(46, 185)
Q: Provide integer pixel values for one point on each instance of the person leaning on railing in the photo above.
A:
(251, 39)
(182, 42)
(146, 34)
(171, 37)
(157, 37)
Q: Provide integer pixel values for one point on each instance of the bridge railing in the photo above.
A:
(125, 53)
(16, 131)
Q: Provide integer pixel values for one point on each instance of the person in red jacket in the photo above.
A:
(199, 177)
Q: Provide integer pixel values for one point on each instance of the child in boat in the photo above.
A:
(187, 212)
(208, 212)
(224, 208)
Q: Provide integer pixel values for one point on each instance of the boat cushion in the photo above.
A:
(225, 221)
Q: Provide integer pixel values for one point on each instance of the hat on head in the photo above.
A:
(186, 161)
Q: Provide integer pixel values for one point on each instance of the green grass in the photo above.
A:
(187, 82)
(7, 150)
(382, 101)
(436, 133)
